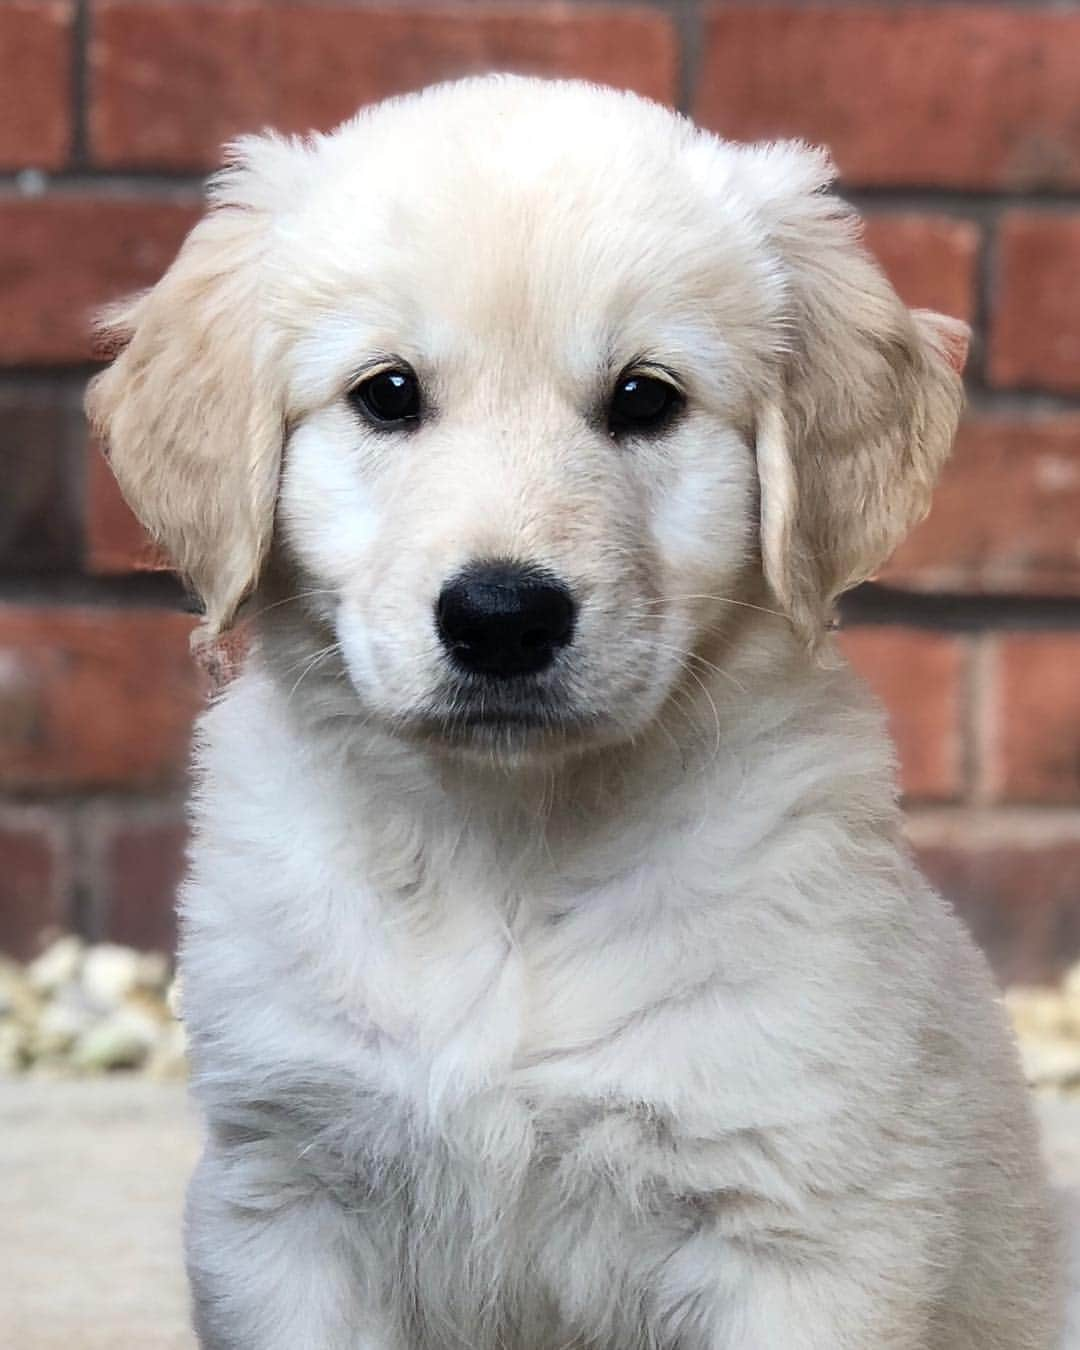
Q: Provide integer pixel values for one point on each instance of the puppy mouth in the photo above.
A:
(514, 719)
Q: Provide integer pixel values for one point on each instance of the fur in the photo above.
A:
(634, 1028)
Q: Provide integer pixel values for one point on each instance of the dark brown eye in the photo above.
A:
(389, 398)
(642, 403)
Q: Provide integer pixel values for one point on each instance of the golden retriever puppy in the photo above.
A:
(555, 973)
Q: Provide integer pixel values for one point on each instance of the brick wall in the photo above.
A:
(957, 129)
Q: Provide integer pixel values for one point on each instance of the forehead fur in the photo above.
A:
(517, 213)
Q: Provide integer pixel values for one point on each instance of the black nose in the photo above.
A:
(503, 618)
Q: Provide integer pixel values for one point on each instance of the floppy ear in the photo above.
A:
(190, 411)
(865, 408)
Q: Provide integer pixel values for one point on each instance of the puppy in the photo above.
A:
(555, 973)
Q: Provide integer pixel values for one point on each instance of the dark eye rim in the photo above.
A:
(672, 409)
(355, 396)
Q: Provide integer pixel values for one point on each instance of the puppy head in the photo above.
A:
(531, 387)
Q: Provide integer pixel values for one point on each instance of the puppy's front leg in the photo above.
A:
(275, 1272)
(766, 1296)
(804, 1312)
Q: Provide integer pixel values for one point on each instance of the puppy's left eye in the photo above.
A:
(642, 403)
(389, 398)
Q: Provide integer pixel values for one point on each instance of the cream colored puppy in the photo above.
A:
(555, 972)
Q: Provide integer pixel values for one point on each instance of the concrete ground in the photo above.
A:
(91, 1188)
(92, 1177)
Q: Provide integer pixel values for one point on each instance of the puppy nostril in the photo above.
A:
(504, 618)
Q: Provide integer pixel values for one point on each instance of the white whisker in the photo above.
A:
(313, 662)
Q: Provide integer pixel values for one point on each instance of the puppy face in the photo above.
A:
(544, 383)
(522, 454)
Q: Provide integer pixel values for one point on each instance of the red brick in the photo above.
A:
(40, 511)
(979, 96)
(94, 697)
(1035, 326)
(930, 260)
(115, 541)
(142, 859)
(62, 258)
(1033, 719)
(919, 676)
(36, 58)
(1006, 514)
(172, 82)
(328, 62)
(1015, 883)
(32, 875)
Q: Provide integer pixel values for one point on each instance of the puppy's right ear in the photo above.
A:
(191, 411)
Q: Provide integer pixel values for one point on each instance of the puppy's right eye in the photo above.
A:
(390, 398)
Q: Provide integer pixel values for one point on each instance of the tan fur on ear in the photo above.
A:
(864, 415)
(189, 411)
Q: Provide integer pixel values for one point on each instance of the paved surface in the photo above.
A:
(92, 1178)
(91, 1189)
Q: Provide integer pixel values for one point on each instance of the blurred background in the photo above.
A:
(957, 131)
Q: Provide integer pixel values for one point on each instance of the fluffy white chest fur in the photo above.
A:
(555, 973)
(618, 1059)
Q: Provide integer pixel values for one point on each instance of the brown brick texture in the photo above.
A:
(921, 677)
(931, 95)
(955, 129)
(36, 87)
(173, 81)
(94, 697)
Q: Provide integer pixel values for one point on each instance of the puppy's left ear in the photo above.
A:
(865, 406)
(190, 412)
